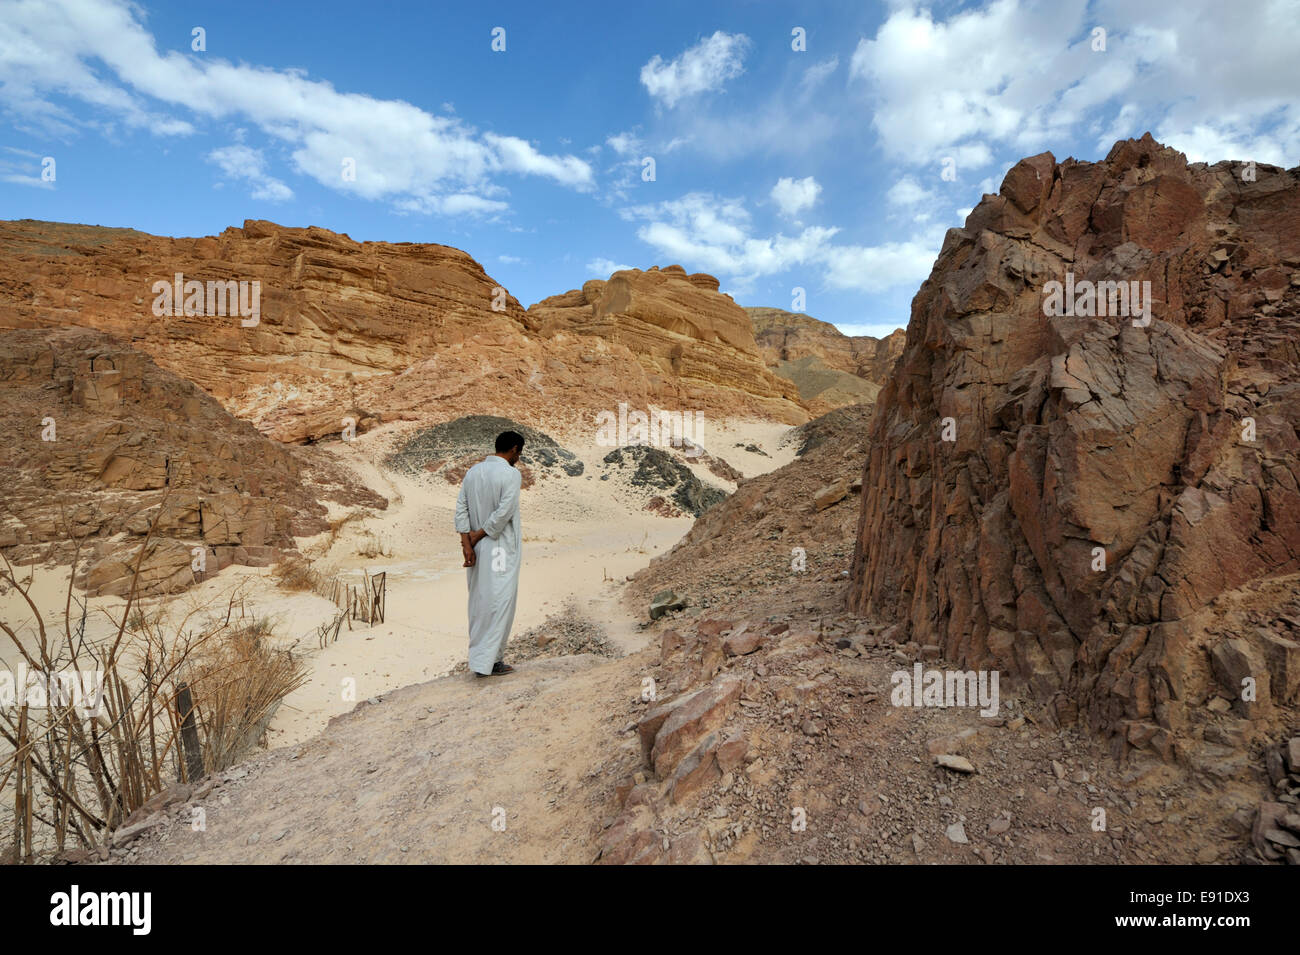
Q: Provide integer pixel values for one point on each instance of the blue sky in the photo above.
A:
(775, 168)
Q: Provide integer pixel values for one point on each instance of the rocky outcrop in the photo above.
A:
(772, 527)
(1061, 496)
(102, 445)
(689, 338)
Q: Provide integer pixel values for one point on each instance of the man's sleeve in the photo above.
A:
(462, 511)
(506, 508)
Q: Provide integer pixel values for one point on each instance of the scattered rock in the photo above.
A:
(958, 764)
(664, 602)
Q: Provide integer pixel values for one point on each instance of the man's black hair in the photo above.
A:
(508, 441)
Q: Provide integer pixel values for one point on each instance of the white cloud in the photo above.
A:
(625, 144)
(509, 260)
(708, 232)
(604, 268)
(792, 196)
(516, 155)
(713, 220)
(18, 179)
(702, 68)
(456, 204)
(99, 53)
(817, 74)
(248, 164)
(907, 192)
(23, 172)
(875, 331)
(1015, 77)
(874, 268)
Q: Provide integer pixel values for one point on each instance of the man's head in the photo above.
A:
(510, 444)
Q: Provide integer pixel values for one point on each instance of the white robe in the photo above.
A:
(489, 500)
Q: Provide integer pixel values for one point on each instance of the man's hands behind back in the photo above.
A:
(467, 544)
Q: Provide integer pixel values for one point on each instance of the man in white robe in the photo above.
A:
(487, 519)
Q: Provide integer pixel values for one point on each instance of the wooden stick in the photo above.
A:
(189, 733)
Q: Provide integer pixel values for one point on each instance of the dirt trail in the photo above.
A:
(422, 774)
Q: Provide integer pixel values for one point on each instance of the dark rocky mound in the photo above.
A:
(657, 470)
(447, 447)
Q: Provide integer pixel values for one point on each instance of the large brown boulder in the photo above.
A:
(1104, 479)
(102, 445)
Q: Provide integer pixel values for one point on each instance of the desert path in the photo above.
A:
(455, 770)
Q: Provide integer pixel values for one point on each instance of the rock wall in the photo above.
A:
(332, 311)
(829, 368)
(790, 336)
(1104, 481)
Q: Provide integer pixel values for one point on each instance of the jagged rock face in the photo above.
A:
(681, 329)
(101, 442)
(1081, 437)
(825, 389)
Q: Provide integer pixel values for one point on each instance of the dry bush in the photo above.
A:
(238, 682)
(295, 572)
(74, 773)
(370, 545)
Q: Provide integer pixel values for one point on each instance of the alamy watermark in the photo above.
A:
(39, 689)
(219, 298)
(658, 428)
(130, 909)
(1091, 299)
(921, 687)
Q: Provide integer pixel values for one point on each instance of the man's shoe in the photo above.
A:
(499, 668)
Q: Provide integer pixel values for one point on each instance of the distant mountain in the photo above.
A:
(831, 369)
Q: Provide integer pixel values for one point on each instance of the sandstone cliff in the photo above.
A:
(682, 330)
(375, 331)
(1105, 481)
(789, 336)
(332, 311)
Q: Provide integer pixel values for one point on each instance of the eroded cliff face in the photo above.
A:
(830, 369)
(1105, 479)
(789, 336)
(331, 311)
(376, 331)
